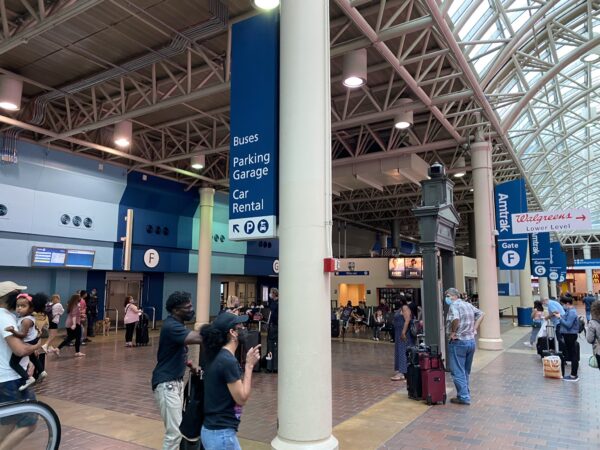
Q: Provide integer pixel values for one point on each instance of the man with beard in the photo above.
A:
(167, 377)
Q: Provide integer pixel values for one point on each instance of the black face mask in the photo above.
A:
(242, 335)
(189, 315)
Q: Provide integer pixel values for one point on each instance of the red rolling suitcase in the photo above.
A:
(433, 378)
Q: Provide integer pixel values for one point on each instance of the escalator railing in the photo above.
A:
(35, 410)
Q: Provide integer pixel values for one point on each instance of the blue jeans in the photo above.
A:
(460, 357)
(220, 439)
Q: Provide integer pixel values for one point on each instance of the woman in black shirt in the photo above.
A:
(225, 391)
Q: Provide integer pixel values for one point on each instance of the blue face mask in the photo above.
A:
(447, 300)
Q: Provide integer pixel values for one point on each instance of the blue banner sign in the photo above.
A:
(540, 254)
(510, 199)
(586, 263)
(503, 289)
(555, 260)
(254, 134)
(562, 276)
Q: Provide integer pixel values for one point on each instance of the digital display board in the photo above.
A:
(80, 259)
(396, 267)
(62, 257)
(48, 257)
(406, 268)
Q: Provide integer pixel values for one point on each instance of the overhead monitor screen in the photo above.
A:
(414, 267)
(48, 257)
(80, 259)
(396, 267)
(404, 268)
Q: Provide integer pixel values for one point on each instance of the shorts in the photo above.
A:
(9, 392)
(53, 326)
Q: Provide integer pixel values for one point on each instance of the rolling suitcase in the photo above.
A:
(433, 377)
(414, 384)
(335, 328)
(553, 360)
(141, 331)
(252, 340)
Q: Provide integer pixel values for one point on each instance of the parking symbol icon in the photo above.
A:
(263, 226)
(249, 227)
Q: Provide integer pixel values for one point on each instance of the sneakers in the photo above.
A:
(397, 377)
(41, 376)
(28, 383)
(458, 401)
(79, 354)
(375, 339)
(527, 344)
(571, 378)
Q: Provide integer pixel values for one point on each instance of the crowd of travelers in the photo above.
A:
(30, 329)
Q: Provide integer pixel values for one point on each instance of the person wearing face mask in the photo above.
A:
(225, 390)
(167, 377)
(462, 322)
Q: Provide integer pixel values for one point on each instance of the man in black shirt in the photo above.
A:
(167, 377)
(273, 331)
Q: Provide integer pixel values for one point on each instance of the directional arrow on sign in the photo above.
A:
(236, 228)
(581, 217)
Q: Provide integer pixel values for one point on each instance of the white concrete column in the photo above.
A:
(553, 292)
(305, 383)
(481, 163)
(589, 280)
(207, 204)
(525, 290)
(543, 287)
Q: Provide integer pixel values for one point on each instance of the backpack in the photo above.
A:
(415, 328)
(581, 321)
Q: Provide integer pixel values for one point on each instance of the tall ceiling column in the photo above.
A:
(487, 280)
(589, 281)
(207, 204)
(304, 388)
(525, 283)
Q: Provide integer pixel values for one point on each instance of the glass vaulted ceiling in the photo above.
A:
(528, 55)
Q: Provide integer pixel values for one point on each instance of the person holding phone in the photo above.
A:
(226, 387)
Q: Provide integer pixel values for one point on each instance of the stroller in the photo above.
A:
(141, 331)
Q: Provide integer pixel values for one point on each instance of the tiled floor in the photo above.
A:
(105, 402)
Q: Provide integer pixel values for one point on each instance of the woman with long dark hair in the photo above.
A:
(73, 325)
(226, 391)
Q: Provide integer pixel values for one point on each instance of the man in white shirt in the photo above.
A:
(15, 428)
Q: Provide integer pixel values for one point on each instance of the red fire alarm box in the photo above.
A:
(331, 265)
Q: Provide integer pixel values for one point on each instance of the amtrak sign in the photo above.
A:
(510, 198)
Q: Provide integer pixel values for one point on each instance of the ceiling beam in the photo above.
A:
(69, 10)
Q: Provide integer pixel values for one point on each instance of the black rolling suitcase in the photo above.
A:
(335, 328)
(252, 340)
(413, 374)
(141, 331)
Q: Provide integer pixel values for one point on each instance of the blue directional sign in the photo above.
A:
(512, 248)
(555, 261)
(539, 251)
(562, 276)
(254, 134)
(586, 263)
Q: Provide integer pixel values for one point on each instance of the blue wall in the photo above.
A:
(46, 185)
